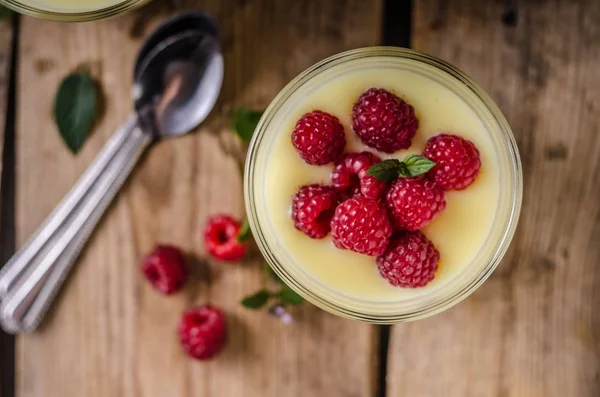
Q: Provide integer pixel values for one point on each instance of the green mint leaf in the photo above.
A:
(75, 108)
(257, 300)
(386, 170)
(267, 270)
(245, 232)
(5, 12)
(289, 297)
(270, 273)
(417, 165)
(245, 122)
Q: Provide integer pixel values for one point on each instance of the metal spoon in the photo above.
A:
(178, 76)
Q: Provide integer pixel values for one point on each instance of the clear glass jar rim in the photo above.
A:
(515, 177)
(106, 12)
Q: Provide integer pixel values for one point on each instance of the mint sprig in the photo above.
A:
(245, 122)
(257, 300)
(245, 233)
(389, 170)
(289, 297)
(270, 274)
(280, 298)
(274, 293)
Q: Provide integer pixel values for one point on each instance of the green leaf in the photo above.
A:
(386, 170)
(289, 297)
(75, 108)
(245, 232)
(245, 122)
(271, 274)
(417, 165)
(5, 12)
(257, 300)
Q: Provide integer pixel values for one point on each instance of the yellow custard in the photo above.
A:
(458, 232)
(470, 234)
(71, 6)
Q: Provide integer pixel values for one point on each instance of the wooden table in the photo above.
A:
(532, 330)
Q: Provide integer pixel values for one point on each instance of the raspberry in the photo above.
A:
(457, 161)
(165, 268)
(349, 176)
(319, 138)
(383, 121)
(409, 261)
(203, 332)
(312, 209)
(413, 202)
(361, 225)
(221, 238)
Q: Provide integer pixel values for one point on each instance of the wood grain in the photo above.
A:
(6, 342)
(5, 53)
(532, 330)
(5, 58)
(111, 334)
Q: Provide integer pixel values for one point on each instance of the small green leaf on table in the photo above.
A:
(245, 122)
(271, 274)
(76, 108)
(257, 300)
(289, 297)
(245, 232)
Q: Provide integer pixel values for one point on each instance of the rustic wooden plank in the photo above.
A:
(5, 57)
(532, 329)
(6, 342)
(111, 334)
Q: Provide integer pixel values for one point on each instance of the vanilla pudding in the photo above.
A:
(72, 10)
(72, 6)
(468, 234)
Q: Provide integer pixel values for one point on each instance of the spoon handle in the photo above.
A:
(32, 277)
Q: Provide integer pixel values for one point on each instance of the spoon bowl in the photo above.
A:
(179, 82)
(172, 26)
(178, 73)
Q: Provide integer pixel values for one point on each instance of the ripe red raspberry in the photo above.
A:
(361, 225)
(456, 160)
(203, 332)
(221, 238)
(312, 209)
(349, 176)
(409, 261)
(383, 121)
(165, 268)
(319, 138)
(413, 202)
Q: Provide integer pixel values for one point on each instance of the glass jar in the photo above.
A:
(359, 308)
(40, 9)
